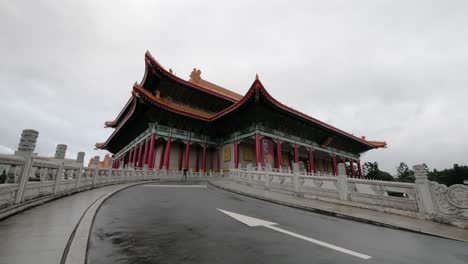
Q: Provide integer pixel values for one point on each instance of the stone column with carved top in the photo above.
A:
(422, 188)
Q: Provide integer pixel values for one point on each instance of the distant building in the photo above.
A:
(102, 164)
(176, 124)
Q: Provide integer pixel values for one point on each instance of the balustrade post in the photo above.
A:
(423, 190)
(26, 147)
(122, 176)
(343, 188)
(79, 175)
(58, 178)
(80, 157)
(60, 151)
(109, 170)
(96, 170)
(296, 174)
(249, 174)
(267, 176)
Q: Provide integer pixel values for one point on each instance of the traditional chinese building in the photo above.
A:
(170, 123)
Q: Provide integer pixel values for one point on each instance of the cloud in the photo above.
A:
(390, 70)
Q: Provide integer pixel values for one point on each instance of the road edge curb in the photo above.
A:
(77, 251)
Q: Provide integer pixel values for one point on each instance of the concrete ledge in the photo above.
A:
(349, 212)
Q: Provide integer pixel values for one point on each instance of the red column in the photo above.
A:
(130, 157)
(296, 154)
(352, 168)
(236, 155)
(359, 168)
(219, 159)
(311, 161)
(257, 149)
(187, 154)
(145, 154)
(167, 154)
(197, 159)
(181, 155)
(335, 168)
(140, 155)
(204, 158)
(161, 158)
(279, 158)
(151, 151)
(135, 156)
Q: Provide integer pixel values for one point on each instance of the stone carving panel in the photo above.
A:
(451, 201)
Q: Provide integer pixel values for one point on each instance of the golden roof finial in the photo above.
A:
(256, 76)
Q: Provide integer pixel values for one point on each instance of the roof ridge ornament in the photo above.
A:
(256, 77)
(195, 74)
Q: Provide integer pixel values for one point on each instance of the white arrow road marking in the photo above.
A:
(175, 186)
(252, 222)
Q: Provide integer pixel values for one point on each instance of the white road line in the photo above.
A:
(175, 186)
(321, 243)
(252, 222)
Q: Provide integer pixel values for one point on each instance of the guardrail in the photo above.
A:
(423, 199)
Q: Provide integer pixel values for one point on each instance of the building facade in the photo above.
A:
(175, 124)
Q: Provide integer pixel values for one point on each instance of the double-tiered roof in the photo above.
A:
(203, 107)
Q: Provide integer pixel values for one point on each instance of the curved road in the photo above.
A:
(183, 224)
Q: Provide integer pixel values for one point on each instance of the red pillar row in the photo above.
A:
(187, 154)
(296, 153)
(140, 155)
(197, 159)
(181, 155)
(279, 158)
(204, 158)
(257, 149)
(135, 156)
(161, 158)
(130, 157)
(151, 151)
(168, 153)
(311, 161)
(146, 153)
(352, 168)
(335, 167)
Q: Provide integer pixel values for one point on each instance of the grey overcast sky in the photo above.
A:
(390, 70)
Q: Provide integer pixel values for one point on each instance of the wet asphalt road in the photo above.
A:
(182, 225)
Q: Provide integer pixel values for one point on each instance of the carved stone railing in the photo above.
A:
(423, 199)
(27, 177)
(55, 178)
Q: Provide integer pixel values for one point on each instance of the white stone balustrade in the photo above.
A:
(30, 177)
(422, 199)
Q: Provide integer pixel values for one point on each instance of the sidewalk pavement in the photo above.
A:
(350, 212)
(40, 235)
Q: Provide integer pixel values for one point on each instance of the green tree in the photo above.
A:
(404, 173)
(455, 175)
(371, 170)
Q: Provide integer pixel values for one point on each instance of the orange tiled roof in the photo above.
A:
(173, 105)
(195, 78)
(377, 144)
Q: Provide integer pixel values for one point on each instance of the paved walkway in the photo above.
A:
(40, 235)
(359, 214)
